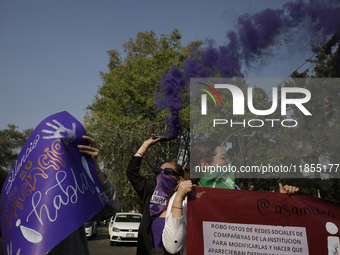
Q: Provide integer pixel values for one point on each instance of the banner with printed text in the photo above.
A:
(51, 190)
(222, 221)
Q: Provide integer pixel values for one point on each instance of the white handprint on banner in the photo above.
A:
(69, 137)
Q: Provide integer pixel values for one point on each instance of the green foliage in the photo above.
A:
(316, 140)
(124, 111)
(124, 114)
(11, 142)
(327, 61)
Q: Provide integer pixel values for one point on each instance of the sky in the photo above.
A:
(51, 52)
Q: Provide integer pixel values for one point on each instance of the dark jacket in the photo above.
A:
(76, 243)
(144, 190)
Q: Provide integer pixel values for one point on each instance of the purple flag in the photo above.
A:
(51, 190)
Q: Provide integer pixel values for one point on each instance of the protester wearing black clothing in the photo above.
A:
(145, 191)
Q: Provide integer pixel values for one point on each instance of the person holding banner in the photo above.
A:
(168, 176)
(203, 154)
(76, 243)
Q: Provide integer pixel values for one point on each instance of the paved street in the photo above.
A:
(100, 244)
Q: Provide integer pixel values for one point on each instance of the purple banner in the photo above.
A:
(51, 190)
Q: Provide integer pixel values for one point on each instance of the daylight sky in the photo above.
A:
(51, 52)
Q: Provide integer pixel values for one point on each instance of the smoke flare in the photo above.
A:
(172, 86)
(253, 35)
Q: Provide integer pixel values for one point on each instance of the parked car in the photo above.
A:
(123, 227)
(107, 221)
(90, 228)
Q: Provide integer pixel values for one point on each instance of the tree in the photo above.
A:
(316, 139)
(124, 111)
(322, 140)
(11, 142)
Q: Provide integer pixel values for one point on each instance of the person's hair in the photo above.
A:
(187, 175)
(187, 172)
(203, 150)
(177, 168)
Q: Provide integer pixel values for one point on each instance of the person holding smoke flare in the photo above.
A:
(168, 176)
(203, 154)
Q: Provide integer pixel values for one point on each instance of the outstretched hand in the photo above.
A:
(151, 141)
(288, 189)
(146, 145)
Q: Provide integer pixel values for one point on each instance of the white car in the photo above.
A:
(90, 228)
(123, 227)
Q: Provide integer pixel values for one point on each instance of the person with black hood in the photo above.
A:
(168, 176)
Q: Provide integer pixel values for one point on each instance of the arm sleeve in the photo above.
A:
(174, 232)
(110, 208)
(139, 182)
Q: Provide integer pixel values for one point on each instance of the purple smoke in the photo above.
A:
(253, 36)
(172, 86)
(261, 30)
(208, 63)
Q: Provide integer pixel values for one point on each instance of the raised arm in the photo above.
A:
(112, 207)
(139, 182)
(174, 232)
